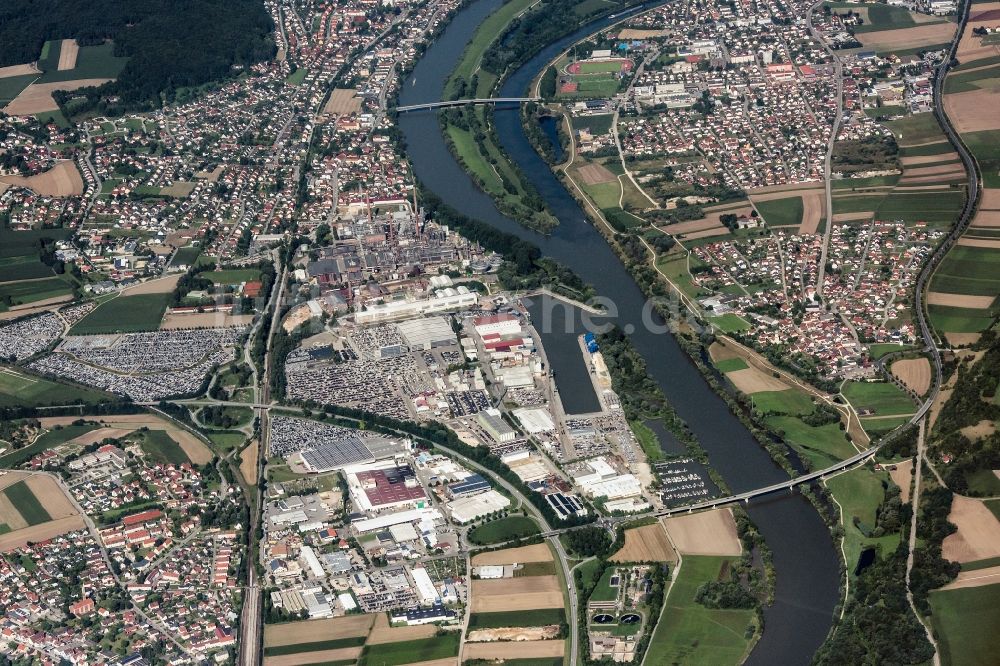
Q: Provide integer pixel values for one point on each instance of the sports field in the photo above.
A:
(689, 633)
(124, 314)
(232, 276)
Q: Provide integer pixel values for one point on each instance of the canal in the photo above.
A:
(805, 561)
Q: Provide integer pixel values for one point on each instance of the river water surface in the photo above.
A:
(807, 566)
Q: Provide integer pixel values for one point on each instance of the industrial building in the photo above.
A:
(427, 333)
(495, 426)
(467, 509)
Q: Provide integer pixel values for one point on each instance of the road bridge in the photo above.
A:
(463, 102)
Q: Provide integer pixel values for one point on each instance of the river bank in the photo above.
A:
(806, 563)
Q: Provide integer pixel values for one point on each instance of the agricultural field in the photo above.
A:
(505, 529)
(878, 399)
(33, 507)
(413, 651)
(20, 389)
(690, 633)
(965, 622)
(529, 593)
(785, 212)
(124, 314)
(704, 533)
(648, 543)
(315, 641)
(160, 447)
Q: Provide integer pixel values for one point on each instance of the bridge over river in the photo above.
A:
(463, 102)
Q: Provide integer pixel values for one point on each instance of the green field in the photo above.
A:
(918, 128)
(731, 365)
(860, 203)
(20, 495)
(600, 67)
(730, 323)
(965, 621)
(505, 529)
(689, 633)
(935, 208)
(30, 291)
(789, 401)
(879, 350)
(595, 124)
(929, 149)
(593, 85)
(538, 617)
(186, 255)
(881, 397)
(648, 440)
(968, 270)
(781, 212)
(985, 146)
(297, 77)
(821, 445)
(885, 17)
(92, 62)
(19, 389)
(225, 440)
(959, 320)
(410, 652)
(603, 591)
(861, 183)
(859, 493)
(232, 276)
(969, 81)
(124, 314)
(315, 646)
(879, 426)
(161, 447)
(11, 86)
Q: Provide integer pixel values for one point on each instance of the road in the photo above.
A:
(252, 620)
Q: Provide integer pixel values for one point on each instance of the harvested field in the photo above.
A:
(758, 195)
(845, 217)
(163, 285)
(975, 578)
(343, 101)
(960, 300)
(648, 543)
(50, 496)
(986, 218)
(318, 657)
(913, 160)
(248, 463)
(973, 111)
(18, 70)
(382, 632)
(203, 320)
(751, 380)
(514, 650)
(12, 477)
(37, 98)
(812, 215)
(961, 339)
(693, 225)
(513, 634)
(902, 477)
(757, 191)
(20, 538)
(907, 38)
(704, 533)
(935, 170)
(211, 176)
(10, 516)
(633, 33)
(95, 436)
(310, 631)
(67, 54)
(707, 233)
(979, 242)
(978, 535)
(538, 552)
(62, 180)
(514, 594)
(449, 661)
(915, 373)
(957, 174)
(595, 174)
(990, 198)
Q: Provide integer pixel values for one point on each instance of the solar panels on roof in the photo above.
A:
(337, 454)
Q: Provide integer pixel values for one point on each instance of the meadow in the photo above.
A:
(505, 529)
(965, 621)
(124, 314)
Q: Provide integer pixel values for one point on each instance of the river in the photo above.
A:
(804, 557)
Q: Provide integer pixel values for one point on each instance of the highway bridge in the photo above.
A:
(463, 102)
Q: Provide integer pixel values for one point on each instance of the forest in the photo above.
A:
(170, 44)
